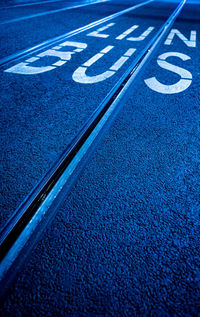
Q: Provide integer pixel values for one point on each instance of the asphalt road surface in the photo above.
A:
(125, 242)
(43, 110)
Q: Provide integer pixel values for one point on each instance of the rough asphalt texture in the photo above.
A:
(126, 240)
(42, 113)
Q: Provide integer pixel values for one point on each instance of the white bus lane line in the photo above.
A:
(64, 56)
(80, 76)
(181, 85)
(97, 32)
(142, 36)
(190, 43)
(25, 69)
(57, 39)
(81, 148)
(127, 32)
(185, 76)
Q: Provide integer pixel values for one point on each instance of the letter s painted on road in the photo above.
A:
(181, 85)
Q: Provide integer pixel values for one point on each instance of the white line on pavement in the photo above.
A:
(57, 39)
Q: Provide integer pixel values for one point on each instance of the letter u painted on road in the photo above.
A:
(181, 85)
(138, 38)
(25, 68)
(80, 75)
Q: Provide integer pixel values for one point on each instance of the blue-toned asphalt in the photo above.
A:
(18, 14)
(126, 240)
(22, 35)
(42, 113)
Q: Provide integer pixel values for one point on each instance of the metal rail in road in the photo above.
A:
(37, 48)
(25, 227)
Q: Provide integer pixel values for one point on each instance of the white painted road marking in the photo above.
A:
(95, 58)
(189, 43)
(80, 73)
(124, 34)
(66, 56)
(130, 52)
(79, 47)
(20, 245)
(119, 63)
(181, 85)
(71, 33)
(32, 59)
(127, 32)
(26, 69)
(142, 36)
(97, 32)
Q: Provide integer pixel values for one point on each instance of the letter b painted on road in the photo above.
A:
(26, 68)
(181, 85)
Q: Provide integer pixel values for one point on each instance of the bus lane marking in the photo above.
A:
(185, 76)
